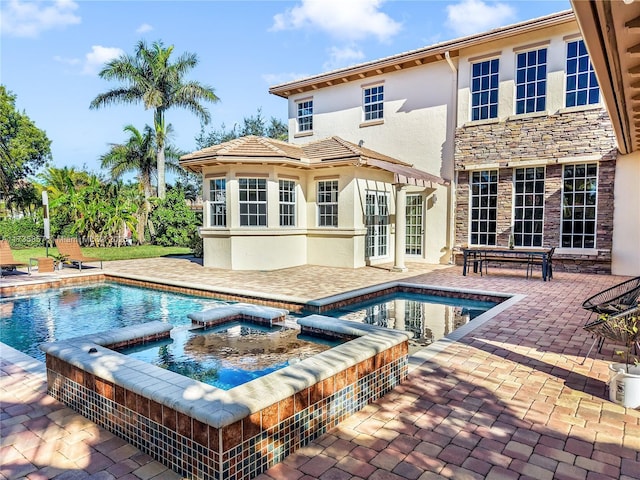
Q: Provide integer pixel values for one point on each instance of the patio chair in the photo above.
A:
(611, 301)
(617, 327)
(537, 261)
(7, 262)
(70, 248)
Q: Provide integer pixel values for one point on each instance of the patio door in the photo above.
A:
(415, 228)
(377, 222)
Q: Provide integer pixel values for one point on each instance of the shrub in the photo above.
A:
(175, 223)
(23, 232)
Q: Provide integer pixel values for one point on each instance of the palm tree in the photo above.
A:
(150, 77)
(136, 155)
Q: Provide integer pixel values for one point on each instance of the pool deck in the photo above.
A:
(513, 399)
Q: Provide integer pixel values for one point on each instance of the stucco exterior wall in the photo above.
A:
(626, 216)
(414, 130)
(418, 128)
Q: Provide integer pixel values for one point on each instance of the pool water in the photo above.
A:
(28, 321)
(231, 354)
(429, 317)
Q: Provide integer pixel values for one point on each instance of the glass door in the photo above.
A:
(377, 222)
(414, 225)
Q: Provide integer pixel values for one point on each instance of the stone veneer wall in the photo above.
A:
(520, 142)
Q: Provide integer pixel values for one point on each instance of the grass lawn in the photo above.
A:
(106, 254)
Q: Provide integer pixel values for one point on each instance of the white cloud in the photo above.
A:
(345, 20)
(278, 78)
(20, 18)
(98, 56)
(341, 57)
(144, 28)
(473, 16)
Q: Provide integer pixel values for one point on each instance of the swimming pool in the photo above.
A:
(428, 317)
(27, 321)
(230, 354)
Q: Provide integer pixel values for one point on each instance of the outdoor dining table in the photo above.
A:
(525, 255)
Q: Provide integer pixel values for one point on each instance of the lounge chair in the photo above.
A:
(613, 300)
(70, 249)
(7, 262)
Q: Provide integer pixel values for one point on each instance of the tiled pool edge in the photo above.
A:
(253, 426)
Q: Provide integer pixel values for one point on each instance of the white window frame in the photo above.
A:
(304, 115)
(523, 80)
(373, 102)
(287, 202)
(591, 87)
(252, 202)
(482, 89)
(528, 206)
(327, 201)
(483, 200)
(579, 206)
(217, 202)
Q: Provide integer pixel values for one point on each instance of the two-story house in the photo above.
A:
(493, 139)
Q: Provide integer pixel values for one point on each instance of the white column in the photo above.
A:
(401, 227)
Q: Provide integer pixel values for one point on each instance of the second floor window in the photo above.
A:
(305, 116)
(484, 207)
(328, 203)
(253, 202)
(287, 203)
(373, 103)
(484, 90)
(582, 85)
(531, 81)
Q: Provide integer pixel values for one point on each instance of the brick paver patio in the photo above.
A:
(514, 399)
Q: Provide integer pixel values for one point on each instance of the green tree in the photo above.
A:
(24, 148)
(150, 77)
(253, 125)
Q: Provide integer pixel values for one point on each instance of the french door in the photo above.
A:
(414, 225)
(377, 222)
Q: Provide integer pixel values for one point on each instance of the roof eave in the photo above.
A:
(414, 58)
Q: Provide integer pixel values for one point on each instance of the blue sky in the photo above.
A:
(51, 51)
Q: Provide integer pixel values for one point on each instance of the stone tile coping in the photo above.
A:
(233, 310)
(195, 285)
(399, 285)
(210, 405)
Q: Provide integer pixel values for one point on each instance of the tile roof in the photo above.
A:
(318, 153)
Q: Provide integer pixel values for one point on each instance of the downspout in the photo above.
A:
(453, 122)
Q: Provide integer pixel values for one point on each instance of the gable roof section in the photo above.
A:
(332, 151)
(414, 58)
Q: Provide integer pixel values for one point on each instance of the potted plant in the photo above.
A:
(59, 260)
(624, 378)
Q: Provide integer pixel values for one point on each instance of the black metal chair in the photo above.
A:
(538, 261)
(613, 300)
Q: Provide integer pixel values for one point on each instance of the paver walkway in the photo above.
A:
(514, 399)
